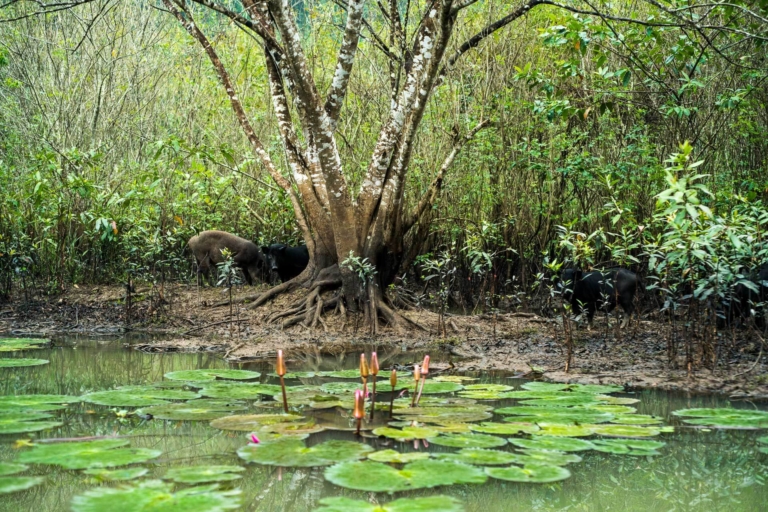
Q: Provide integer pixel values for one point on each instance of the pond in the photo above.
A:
(698, 468)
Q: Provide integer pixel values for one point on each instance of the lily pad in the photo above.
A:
(10, 468)
(505, 429)
(628, 446)
(553, 457)
(725, 418)
(439, 410)
(88, 454)
(9, 484)
(137, 396)
(21, 362)
(426, 504)
(636, 419)
(298, 428)
(617, 400)
(483, 395)
(341, 388)
(396, 457)
(595, 389)
(563, 401)
(14, 344)
(609, 408)
(535, 474)
(154, 495)
(451, 428)
(431, 387)
(117, 474)
(294, 453)
(562, 444)
(191, 412)
(354, 374)
(471, 440)
(249, 422)
(450, 418)
(25, 403)
(202, 474)
(544, 386)
(15, 422)
(295, 375)
(454, 378)
(488, 387)
(377, 477)
(565, 430)
(479, 457)
(624, 431)
(560, 415)
(206, 375)
(406, 434)
(240, 390)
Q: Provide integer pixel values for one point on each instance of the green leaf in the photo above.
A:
(406, 434)
(191, 411)
(624, 430)
(509, 429)
(155, 496)
(240, 390)
(471, 440)
(426, 504)
(21, 362)
(9, 484)
(395, 457)
(294, 453)
(377, 477)
(208, 375)
(725, 417)
(479, 457)
(203, 474)
(25, 403)
(117, 474)
(562, 444)
(553, 457)
(537, 474)
(88, 454)
(249, 422)
(10, 468)
(15, 344)
(628, 446)
(137, 396)
(15, 422)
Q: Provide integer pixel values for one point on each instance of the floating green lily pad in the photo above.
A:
(117, 474)
(396, 457)
(249, 422)
(377, 477)
(624, 430)
(154, 495)
(565, 430)
(563, 401)
(535, 474)
(562, 444)
(451, 428)
(553, 457)
(450, 417)
(453, 378)
(471, 440)
(628, 446)
(431, 387)
(488, 387)
(294, 453)
(240, 390)
(544, 386)
(25, 403)
(192, 412)
(355, 374)
(9, 484)
(11, 468)
(483, 395)
(617, 400)
(342, 388)
(295, 375)
(21, 362)
(725, 418)
(15, 344)
(609, 408)
(206, 375)
(440, 410)
(427, 504)
(636, 419)
(508, 429)
(137, 396)
(88, 454)
(299, 428)
(566, 417)
(15, 422)
(479, 457)
(203, 474)
(406, 434)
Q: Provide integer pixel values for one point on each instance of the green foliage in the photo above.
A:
(103, 453)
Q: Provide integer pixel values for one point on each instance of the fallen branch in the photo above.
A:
(212, 325)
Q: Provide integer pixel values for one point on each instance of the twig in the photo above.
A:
(211, 325)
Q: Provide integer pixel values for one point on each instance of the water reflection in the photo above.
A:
(699, 470)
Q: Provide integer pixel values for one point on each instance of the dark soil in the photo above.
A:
(524, 343)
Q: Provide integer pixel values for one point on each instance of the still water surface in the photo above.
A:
(698, 470)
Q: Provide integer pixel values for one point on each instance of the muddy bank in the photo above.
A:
(186, 319)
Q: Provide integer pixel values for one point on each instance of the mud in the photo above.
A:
(181, 317)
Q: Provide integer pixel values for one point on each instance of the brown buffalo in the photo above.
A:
(207, 247)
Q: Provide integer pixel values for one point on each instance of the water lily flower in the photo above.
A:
(393, 384)
(374, 364)
(359, 410)
(424, 372)
(364, 373)
(425, 365)
(280, 368)
(254, 439)
(417, 378)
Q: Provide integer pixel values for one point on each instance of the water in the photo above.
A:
(698, 471)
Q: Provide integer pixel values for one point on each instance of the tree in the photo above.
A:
(421, 46)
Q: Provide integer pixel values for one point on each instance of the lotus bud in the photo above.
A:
(359, 410)
(280, 368)
(416, 373)
(425, 365)
(363, 367)
(254, 439)
(393, 379)
(374, 364)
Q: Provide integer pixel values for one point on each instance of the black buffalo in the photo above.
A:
(288, 262)
(600, 289)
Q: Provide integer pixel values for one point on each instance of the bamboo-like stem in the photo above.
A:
(373, 398)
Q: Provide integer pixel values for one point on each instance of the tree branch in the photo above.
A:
(344, 62)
